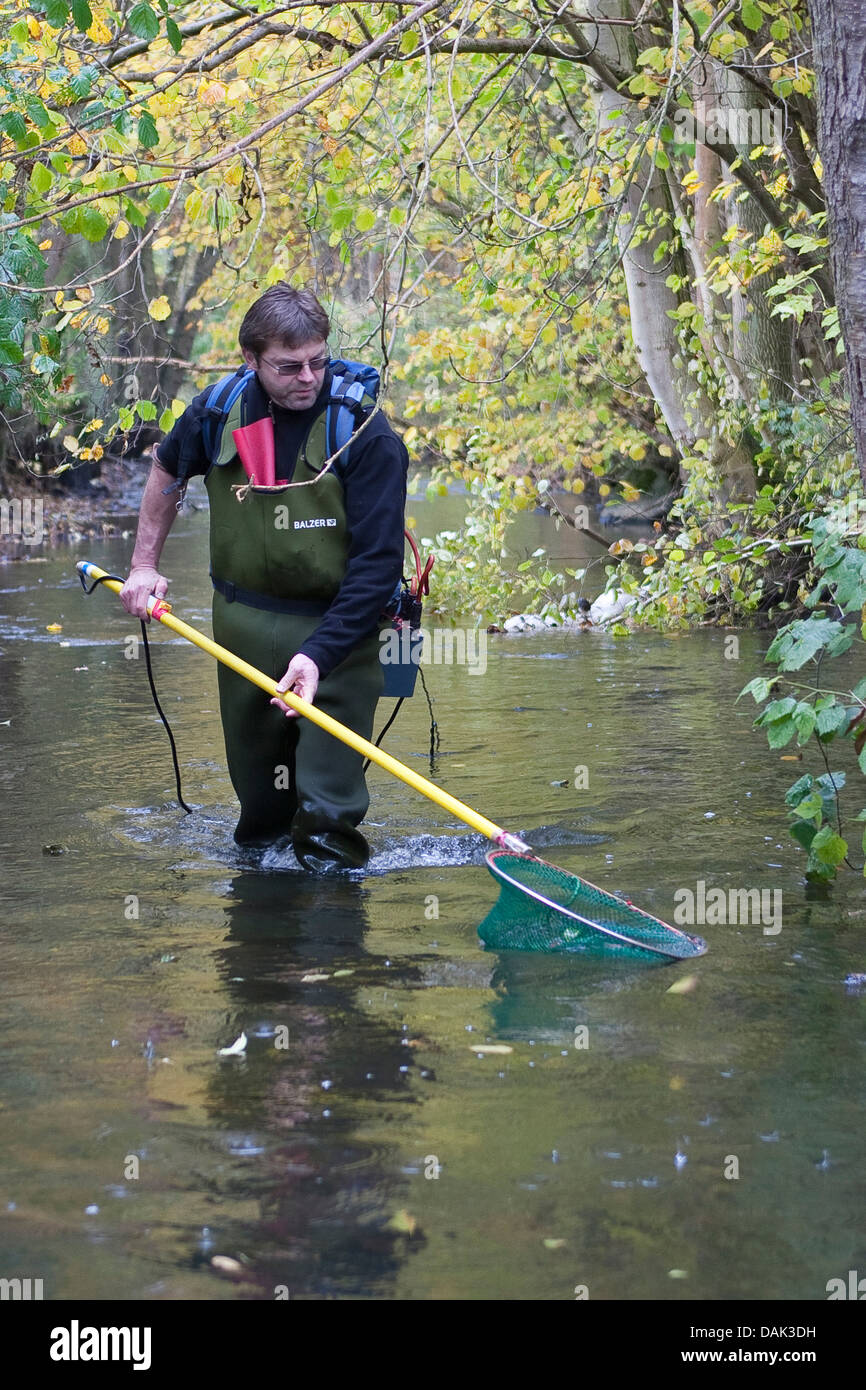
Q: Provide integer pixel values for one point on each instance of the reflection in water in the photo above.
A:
(314, 1060)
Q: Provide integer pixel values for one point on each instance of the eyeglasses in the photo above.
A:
(315, 364)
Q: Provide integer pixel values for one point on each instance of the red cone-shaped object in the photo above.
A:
(255, 446)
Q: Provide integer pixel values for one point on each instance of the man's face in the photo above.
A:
(296, 392)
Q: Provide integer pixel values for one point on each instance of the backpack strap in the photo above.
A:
(224, 399)
(354, 389)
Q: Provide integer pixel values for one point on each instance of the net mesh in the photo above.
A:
(543, 908)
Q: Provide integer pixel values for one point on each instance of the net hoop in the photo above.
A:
(696, 942)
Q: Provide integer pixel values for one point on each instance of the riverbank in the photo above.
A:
(35, 514)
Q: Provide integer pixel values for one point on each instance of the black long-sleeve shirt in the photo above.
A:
(374, 482)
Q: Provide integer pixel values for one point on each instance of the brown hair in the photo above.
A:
(285, 316)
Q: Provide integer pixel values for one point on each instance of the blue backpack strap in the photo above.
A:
(218, 403)
(354, 389)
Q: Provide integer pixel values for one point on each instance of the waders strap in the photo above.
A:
(232, 593)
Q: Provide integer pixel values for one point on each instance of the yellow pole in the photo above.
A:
(160, 610)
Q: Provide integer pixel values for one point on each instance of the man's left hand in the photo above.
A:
(302, 678)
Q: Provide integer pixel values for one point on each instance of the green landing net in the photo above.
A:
(543, 908)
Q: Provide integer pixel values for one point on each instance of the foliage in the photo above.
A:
(814, 711)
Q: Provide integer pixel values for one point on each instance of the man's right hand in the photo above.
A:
(142, 582)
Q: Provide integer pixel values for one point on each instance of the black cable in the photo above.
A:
(434, 727)
(395, 711)
(101, 580)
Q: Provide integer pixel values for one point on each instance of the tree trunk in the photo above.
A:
(687, 411)
(839, 34)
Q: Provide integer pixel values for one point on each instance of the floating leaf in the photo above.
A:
(238, 1046)
(491, 1049)
(403, 1222)
(683, 986)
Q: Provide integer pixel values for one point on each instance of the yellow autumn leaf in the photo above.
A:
(683, 986)
(121, 230)
(403, 1223)
(159, 308)
(54, 627)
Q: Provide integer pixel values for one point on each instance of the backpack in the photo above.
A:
(354, 390)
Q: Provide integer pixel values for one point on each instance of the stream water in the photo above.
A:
(638, 1143)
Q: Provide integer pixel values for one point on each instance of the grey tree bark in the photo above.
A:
(839, 35)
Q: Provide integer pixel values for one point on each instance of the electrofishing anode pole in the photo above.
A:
(159, 609)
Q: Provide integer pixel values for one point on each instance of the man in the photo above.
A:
(301, 575)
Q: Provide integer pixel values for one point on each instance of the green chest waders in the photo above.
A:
(277, 560)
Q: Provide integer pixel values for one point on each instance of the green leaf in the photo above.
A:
(365, 218)
(751, 15)
(830, 721)
(14, 125)
(19, 33)
(803, 832)
(56, 13)
(82, 14)
(781, 732)
(175, 37)
(805, 720)
(148, 135)
(133, 213)
(41, 178)
(37, 112)
(811, 806)
(92, 225)
(10, 352)
(82, 82)
(795, 644)
(160, 198)
(143, 21)
(759, 689)
(794, 795)
(778, 709)
(828, 847)
(146, 410)
(166, 420)
(44, 365)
